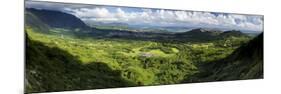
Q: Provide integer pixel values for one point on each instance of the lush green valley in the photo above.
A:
(89, 58)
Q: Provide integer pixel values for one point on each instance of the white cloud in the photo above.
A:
(170, 18)
(155, 17)
(95, 12)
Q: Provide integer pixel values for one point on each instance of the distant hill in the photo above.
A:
(206, 35)
(246, 62)
(94, 24)
(232, 33)
(195, 35)
(200, 33)
(204, 31)
(57, 19)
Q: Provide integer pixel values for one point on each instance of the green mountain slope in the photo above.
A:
(53, 69)
(32, 20)
(246, 62)
(58, 19)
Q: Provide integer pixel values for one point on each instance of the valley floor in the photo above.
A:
(136, 61)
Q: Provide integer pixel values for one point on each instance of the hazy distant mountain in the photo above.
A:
(93, 24)
(209, 34)
(201, 31)
(232, 33)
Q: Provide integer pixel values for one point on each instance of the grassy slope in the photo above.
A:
(246, 62)
(54, 69)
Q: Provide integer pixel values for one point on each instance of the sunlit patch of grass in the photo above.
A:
(175, 50)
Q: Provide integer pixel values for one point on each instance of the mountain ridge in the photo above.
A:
(58, 19)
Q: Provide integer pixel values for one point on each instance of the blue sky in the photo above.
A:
(155, 17)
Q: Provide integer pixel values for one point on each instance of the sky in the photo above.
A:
(155, 17)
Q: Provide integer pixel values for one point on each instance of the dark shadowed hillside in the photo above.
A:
(231, 33)
(201, 32)
(53, 69)
(32, 20)
(246, 62)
